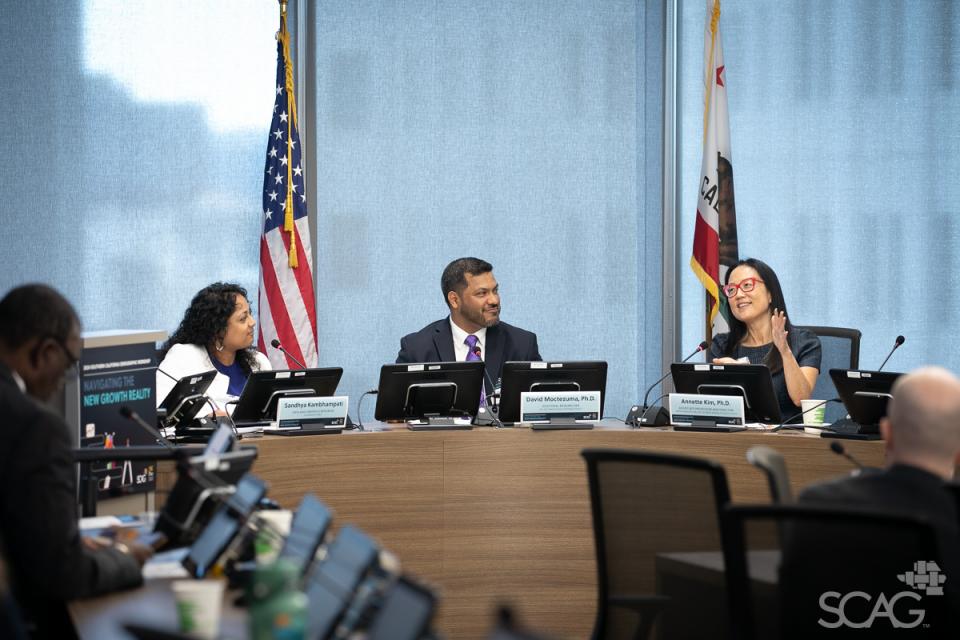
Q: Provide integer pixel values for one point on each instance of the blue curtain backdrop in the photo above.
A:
(525, 133)
(528, 133)
(134, 137)
(843, 119)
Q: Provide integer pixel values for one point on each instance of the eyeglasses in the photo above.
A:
(72, 360)
(746, 285)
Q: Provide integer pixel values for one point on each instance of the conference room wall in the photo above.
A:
(526, 133)
(843, 119)
(134, 138)
(135, 135)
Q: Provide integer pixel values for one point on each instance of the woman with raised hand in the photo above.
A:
(761, 333)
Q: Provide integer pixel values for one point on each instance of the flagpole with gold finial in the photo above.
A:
(284, 37)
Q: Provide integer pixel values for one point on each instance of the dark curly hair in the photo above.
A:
(205, 321)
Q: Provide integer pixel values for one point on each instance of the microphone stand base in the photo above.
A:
(654, 417)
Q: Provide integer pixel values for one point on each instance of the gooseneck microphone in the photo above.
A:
(658, 416)
(276, 345)
(839, 449)
(493, 387)
(132, 415)
(896, 345)
(492, 408)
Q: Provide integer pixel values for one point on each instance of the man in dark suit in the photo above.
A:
(49, 563)
(921, 433)
(922, 437)
(473, 329)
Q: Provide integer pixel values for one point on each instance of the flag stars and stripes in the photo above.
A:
(287, 299)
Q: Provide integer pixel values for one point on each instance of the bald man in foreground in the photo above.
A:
(922, 436)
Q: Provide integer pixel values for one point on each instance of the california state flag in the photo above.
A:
(715, 236)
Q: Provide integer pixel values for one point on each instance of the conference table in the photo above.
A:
(502, 516)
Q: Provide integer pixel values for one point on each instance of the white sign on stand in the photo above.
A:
(540, 406)
(328, 411)
(685, 408)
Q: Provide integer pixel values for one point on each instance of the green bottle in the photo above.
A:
(278, 609)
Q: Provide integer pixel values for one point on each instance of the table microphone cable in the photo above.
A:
(371, 392)
(787, 425)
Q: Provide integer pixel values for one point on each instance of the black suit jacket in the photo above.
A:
(434, 343)
(38, 517)
(901, 489)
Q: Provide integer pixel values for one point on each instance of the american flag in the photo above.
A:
(288, 310)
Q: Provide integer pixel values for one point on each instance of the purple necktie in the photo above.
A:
(473, 355)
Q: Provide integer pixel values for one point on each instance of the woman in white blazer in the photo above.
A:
(216, 333)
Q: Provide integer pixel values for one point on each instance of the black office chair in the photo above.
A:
(788, 568)
(771, 463)
(645, 504)
(840, 348)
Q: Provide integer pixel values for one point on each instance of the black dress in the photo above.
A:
(805, 346)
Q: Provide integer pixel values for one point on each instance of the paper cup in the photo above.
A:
(198, 606)
(813, 414)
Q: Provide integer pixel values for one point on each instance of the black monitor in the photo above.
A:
(192, 499)
(405, 612)
(865, 395)
(186, 399)
(258, 400)
(332, 583)
(519, 377)
(221, 441)
(429, 389)
(226, 523)
(307, 532)
(750, 381)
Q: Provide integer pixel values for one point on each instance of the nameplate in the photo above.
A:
(330, 411)
(540, 406)
(723, 410)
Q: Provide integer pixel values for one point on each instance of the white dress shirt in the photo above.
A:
(20, 383)
(460, 348)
